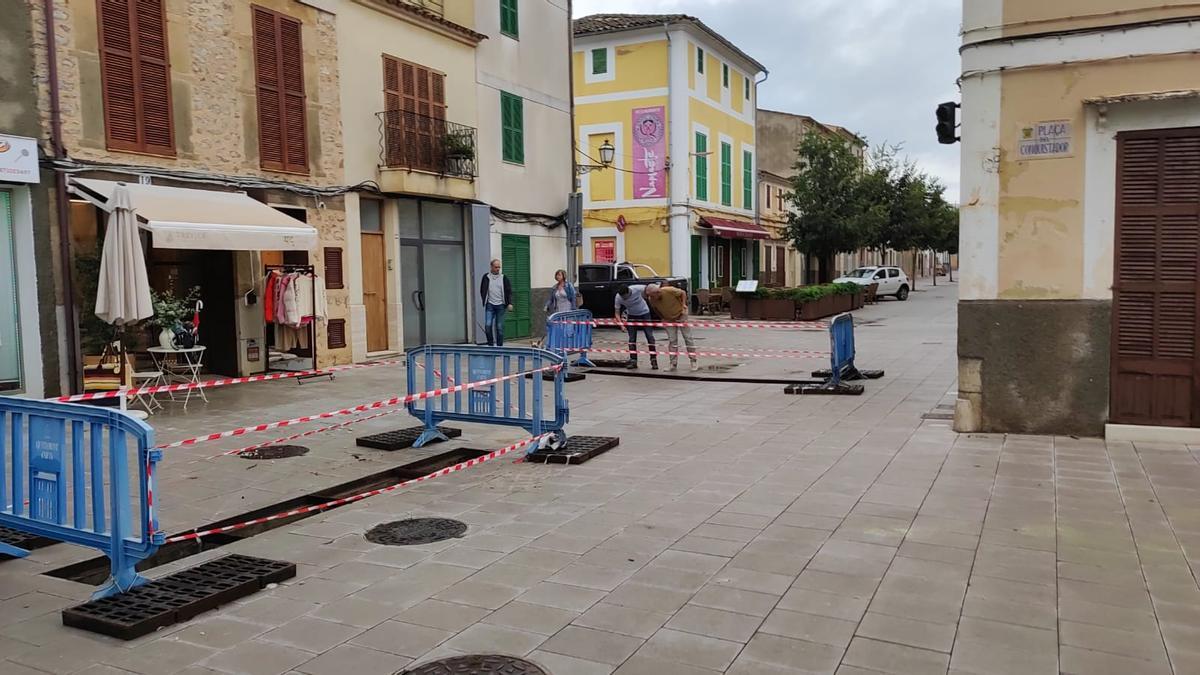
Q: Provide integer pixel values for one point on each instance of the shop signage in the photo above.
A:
(604, 250)
(18, 159)
(1046, 140)
(649, 152)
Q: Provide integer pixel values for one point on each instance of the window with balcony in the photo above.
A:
(416, 134)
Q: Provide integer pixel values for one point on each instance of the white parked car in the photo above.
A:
(892, 280)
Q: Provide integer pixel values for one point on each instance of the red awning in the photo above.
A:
(735, 229)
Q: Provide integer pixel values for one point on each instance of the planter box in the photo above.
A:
(762, 309)
(739, 307)
(815, 309)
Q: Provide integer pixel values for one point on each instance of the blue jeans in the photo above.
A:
(648, 331)
(493, 323)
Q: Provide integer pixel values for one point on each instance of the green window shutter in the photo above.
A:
(508, 18)
(514, 253)
(736, 273)
(725, 75)
(757, 257)
(599, 61)
(699, 60)
(701, 167)
(512, 128)
(747, 180)
(696, 241)
(746, 86)
(726, 174)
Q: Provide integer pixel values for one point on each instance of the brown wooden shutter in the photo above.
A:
(1155, 370)
(279, 85)
(337, 334)
(334, 277)
(393, 116)
(135, 76)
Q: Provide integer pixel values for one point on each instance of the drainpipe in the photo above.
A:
(62, 203)
(754, 173)
(576, 182)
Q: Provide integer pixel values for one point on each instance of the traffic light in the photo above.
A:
(947, 123)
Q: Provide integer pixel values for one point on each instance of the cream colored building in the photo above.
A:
(525, 200)
(409, 120)
(1080, 213)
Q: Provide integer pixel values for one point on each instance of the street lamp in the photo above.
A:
(607, 154)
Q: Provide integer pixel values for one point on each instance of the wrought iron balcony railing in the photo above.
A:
(419, 142)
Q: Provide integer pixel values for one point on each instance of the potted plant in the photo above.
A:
(170, 311)
(459, 145)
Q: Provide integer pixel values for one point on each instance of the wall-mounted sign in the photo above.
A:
(649, 152)
(18, 159)
(1046, 140)
(604, 250)
(622, 223)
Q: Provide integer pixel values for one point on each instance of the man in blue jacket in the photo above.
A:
(496, 292)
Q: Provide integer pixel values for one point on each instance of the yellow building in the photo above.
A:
(677, 102)
(1080, 219)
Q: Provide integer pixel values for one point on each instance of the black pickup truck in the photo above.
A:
(598, 283)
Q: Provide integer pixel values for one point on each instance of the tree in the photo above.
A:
(830, 216)
(946, 232)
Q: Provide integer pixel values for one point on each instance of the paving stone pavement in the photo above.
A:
(735, 529)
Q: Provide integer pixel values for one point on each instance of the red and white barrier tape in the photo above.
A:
(361, 496)
(802, 325)
(385, 403)
(311, 432)
(664, 352)
(223, 382)
(622, 343)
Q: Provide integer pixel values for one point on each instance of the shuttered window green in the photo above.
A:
(512, 128)
(509, 25)
(747, 180)
(701, 167)
(726, 174)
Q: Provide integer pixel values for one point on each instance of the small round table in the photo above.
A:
(167, 361)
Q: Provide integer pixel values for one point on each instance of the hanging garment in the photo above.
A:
(269, 296)
(289, 338)
(303, 286)
(321, 311)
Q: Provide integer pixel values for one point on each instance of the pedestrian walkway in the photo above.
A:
(734, 530)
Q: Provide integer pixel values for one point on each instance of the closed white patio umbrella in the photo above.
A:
(123, 294)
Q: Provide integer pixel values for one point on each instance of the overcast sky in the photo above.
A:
(877, 67)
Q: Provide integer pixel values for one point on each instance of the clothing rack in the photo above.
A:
(312, 325)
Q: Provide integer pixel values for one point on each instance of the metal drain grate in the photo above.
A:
(275, 452)
(414, 531)
(399, 439)
(177, 597)
(22, 540)
(483, 664)
(578, 450)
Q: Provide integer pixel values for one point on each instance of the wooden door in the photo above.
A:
(514, 257)
(781, 265)
(1155, 371)
(374, 275)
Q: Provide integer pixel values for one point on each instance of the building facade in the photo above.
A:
(782, 265)
(1080, 219)
(208, 111)
(677, 102)
(30, 320)
(409, 124)
(523, 90)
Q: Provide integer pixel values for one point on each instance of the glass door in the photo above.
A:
(433, 273)
(413, 289)
(10, 337)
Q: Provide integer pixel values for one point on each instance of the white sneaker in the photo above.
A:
(673, 368)
(695, 366)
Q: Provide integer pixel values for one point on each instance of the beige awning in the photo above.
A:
(204, 219)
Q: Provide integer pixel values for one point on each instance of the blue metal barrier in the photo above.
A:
(65, 474)
(841, 347)
(518, 402)
(570, 333)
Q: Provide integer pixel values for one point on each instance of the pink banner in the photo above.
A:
(649, 152)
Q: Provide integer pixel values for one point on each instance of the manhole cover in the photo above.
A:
(477, 665)
(417, 531)
(275, 452)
